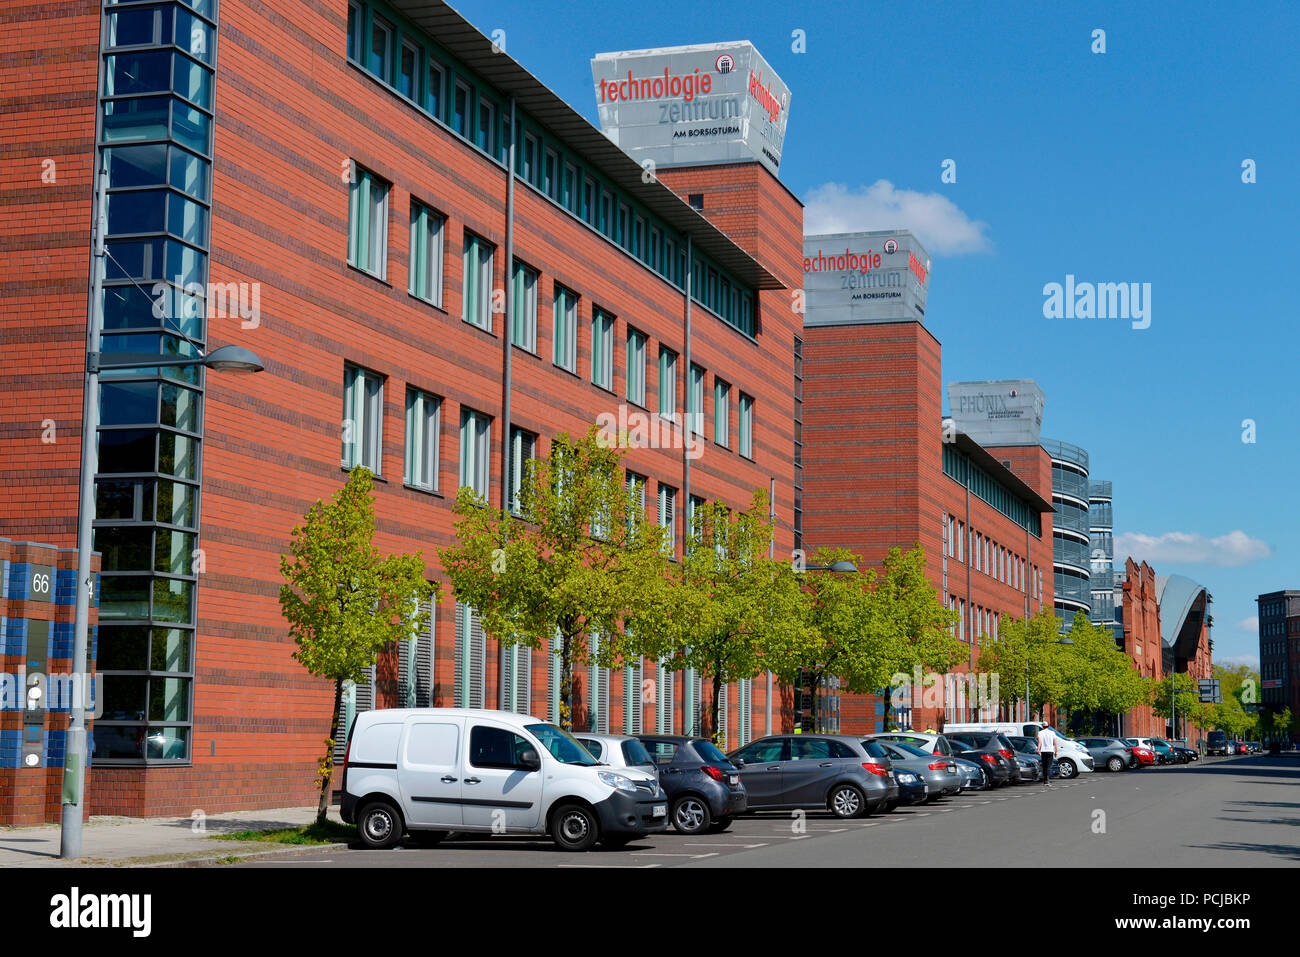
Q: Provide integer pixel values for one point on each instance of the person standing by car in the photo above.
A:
(1047, 745)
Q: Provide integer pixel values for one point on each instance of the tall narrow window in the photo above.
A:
(635, 487)
(523, 446)
(437, 90)
(667, 517)
(530, 171)
(745, 426)
(381, 49)
(636, 367)
(695, 400)
(460, 110)
(368, 222)
(721, 412)
(363, 418)
(425, 279)
(356, 19)
(422, 440)
(486, 132)
(589, 201)
(477, 300)
(475, 433)
(667, 383)
(566, 329)
(523, 308)
(551, 175)
(408, 72)
(602, 349)
(471, 654)
(570, 195)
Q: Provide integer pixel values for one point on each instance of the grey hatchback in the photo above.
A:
(813, 771)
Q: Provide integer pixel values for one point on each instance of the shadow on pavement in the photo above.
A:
(1290, 851)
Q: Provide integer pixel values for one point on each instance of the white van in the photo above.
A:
(1073, 758)
(432, 771)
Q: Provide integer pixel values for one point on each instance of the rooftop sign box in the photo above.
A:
(999, 412)
(878, 276)
(692, 105)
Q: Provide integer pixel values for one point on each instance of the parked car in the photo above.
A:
(1216, 742)
(912, 788)
(1185, 753)
(1243, 748)
(973, 777)
(1253, 747)
(621, 751)
(893, 792)
(1145, 755)
(996, 767)
(1172, 754)
(437, 770)
(936, 744)
(1110, 753)
(830, 771)
(939, 774)
(1072, 756)
(1027, 750)
(704, 788)
(998, 744)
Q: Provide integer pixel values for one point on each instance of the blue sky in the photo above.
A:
(1123, 166)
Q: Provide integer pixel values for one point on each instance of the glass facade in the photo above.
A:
(155, 143)
(1071, 530)
(1101, 533)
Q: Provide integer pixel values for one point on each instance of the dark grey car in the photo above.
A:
(1110, 753)
(813, 771)
(703, 787)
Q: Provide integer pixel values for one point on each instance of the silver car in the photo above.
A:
(973, 777)
(939, 773)
(621, 751)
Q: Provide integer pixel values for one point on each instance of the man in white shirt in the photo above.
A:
(1047, 745)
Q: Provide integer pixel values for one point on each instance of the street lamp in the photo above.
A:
(225, 358)
(1033, 644)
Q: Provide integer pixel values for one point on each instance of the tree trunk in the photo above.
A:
(327, 760)
(566, 682)
(710, 728)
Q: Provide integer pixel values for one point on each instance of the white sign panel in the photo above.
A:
(999, 412)
(692, 105)
(879, 276)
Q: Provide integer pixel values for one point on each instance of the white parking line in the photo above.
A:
(635, 867)
(665, 854)
(719, 844)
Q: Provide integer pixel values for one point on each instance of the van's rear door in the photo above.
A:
(428, 770)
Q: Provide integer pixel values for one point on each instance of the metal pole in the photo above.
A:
(75, 752)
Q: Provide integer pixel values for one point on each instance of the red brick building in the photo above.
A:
(880, 470)
(341, 177)
(1141, 615)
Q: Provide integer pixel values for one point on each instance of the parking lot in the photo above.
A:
(1176, 816)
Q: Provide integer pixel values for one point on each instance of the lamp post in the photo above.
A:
(226, 358)
(1034, 644)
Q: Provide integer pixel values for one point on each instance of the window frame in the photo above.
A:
(418, 403)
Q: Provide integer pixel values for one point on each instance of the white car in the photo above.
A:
(431, 771)
(1072, 757)
(622, 752)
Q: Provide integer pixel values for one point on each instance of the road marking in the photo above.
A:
(666, 854)
(624, 866)
(725, 845)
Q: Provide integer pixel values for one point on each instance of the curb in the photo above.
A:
(214, 859)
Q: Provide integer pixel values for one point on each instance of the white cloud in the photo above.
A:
(1186, 548)
(1249, 625)
(935, 219)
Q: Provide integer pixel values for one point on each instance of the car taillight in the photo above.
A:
(938, 766)
(1005, 753)
(937, 754)
(715, 773)
(989, 759)
(1129, 750)
(874, 768)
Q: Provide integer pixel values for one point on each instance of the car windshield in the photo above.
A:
(911, 751)
(563, 746)
(709, 752)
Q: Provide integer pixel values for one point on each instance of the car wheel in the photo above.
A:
(1116, 763)
(1068, 770)
(690, 815)
(574, 828)
(847, 802)
(720, 825)
(380, 825)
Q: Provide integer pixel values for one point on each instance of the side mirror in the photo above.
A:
(738, 762)
(530, 761)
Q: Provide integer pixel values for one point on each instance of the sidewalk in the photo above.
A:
(136, 842)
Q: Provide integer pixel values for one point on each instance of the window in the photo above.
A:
(589, 201)
(570, 195)
(477, 300)
(437, 90)
(363, 417)
(523, 446)
(566, 329)
(606, 213)
(368, 222)
(667, 383)
(695, 400)
(694, 505)
(471, 652)
(486, 132)
(425, 279)
(636, 367)
(635, 486)
(356, 17)
(381, 49)
(746, 426)
(460, 110)
(408, 72)
(475, 429)
(422, 440)
(638, 239)
(667, 511)
(602, 349)
(652, 253)
(624, 236)
(721, 412)
(530, 171)
(551, 175)
(523, 308)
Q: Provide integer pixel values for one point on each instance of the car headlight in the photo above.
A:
(617, 781)
(906, 777)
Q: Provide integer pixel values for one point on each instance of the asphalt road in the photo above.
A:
(1220, 812)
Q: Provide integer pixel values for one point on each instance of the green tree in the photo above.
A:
(1239, 690)
(344, 602)
(1027, 647)
(578, 560)
(736, 612)
(1098, 676)
(1188, 704)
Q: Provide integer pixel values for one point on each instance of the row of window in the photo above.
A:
(406, 61)
(983, 621)
(1272, 608)
(367, 250)
(994, 560)
(1277, 669)
(957, 465)
(1280, 627)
